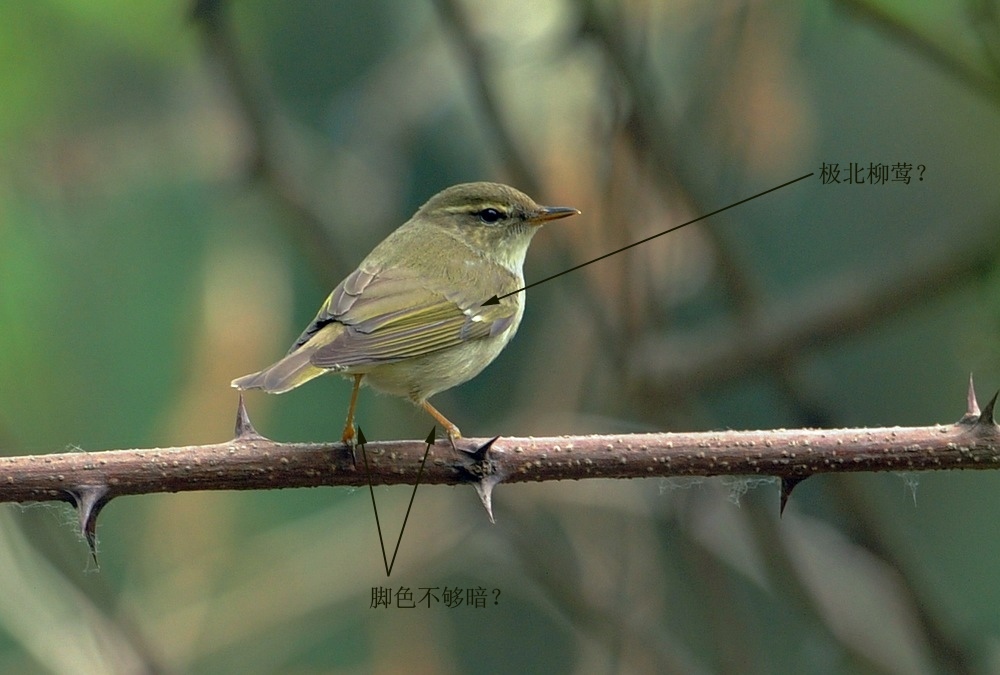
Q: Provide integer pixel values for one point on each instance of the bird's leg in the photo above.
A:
(449, 427)
(348, 436)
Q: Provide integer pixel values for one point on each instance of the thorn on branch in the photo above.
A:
(787, 485)
(483, 473)
(971, 415)
(987, 415)
(244, 427)
(481, 455)
(89, 500)
(484, 488)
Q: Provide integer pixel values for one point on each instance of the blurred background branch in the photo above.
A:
(849, 304)
(269, 140)
(982, 15)
(472, 56)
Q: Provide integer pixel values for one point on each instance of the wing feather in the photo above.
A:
(388, 315)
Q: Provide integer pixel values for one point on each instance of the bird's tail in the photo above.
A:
(286, 374)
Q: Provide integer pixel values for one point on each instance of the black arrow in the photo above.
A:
(496, 298)
(361, 441)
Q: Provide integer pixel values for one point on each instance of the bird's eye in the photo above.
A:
(490, 216)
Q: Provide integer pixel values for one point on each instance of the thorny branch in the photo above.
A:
(89, 480)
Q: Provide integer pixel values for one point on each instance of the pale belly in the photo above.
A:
(422, 377)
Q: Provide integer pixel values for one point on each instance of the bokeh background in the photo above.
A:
(182, 183)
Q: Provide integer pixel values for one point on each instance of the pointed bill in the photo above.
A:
(547, 213)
